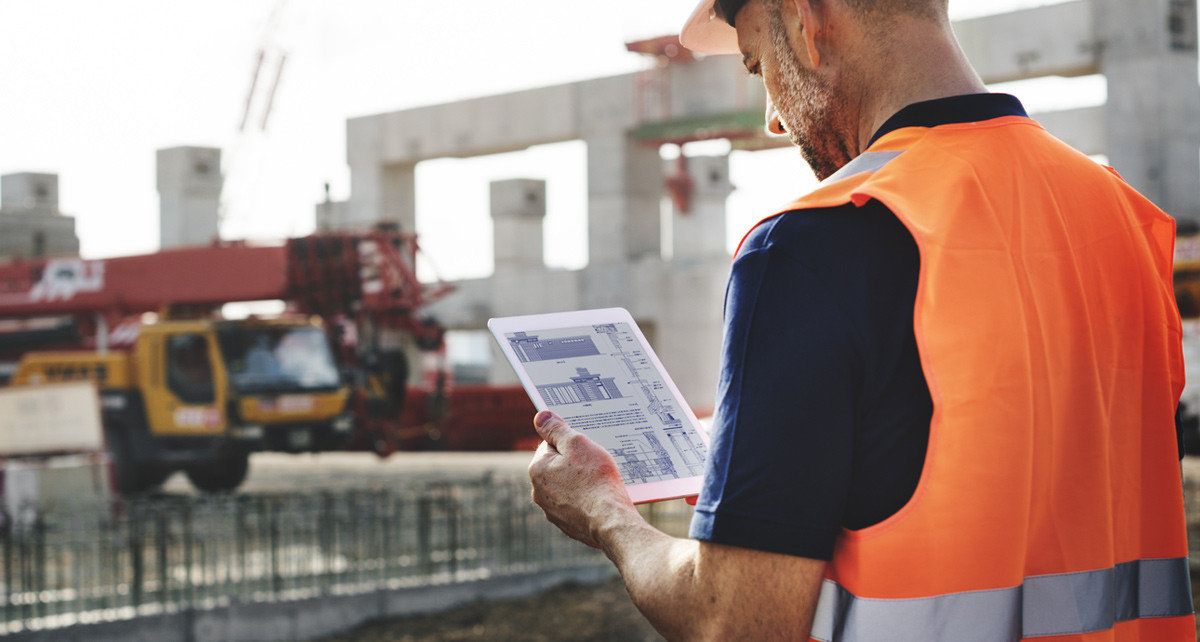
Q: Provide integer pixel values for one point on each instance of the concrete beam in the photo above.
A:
(581, 110)
(1058, 40)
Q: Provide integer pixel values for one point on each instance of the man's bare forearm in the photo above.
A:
(692, 590)
(688, 590)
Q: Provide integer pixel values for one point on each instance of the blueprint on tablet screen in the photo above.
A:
(600, 380)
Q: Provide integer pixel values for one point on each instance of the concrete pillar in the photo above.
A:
(519, 283)
(699, 233)
(383, 193)
(30, 223)
(624, 188)
(518, 211)
(189, 190)
(29, 192)
(690, 342)
(332, 216)
(1149, 58)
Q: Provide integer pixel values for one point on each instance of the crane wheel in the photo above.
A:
(130, 476)
(220, 476)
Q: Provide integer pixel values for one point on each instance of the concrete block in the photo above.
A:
(189, 189)
(332, 216)
(479, 126)
(608, 105)
(459, 126)
(606, 229)
(606, 171)
(399, 196)
(517, 244)
(518, 197)
(383, 193)
(604, 285)
(364, 141)
(412, 135)
(31, 234)
(714, 85)
(624, 193)
(1132, 29)
(547, 115)
(700, 232)
(28, 190)
(1058, 40)
(1156, 148)
(189, 171)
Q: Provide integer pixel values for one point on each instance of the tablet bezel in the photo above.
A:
(500, 326)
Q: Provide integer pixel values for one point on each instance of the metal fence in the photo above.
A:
(141, 557)
(124, 559)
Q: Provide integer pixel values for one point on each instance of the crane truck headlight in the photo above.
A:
(248, 431)
(343, 423)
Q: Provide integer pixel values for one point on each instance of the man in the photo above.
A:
(949, 374)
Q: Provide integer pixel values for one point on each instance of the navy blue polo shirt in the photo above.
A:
(823, 412)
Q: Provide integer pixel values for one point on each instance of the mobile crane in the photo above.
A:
(183, 389)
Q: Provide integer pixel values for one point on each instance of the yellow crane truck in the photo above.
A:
(200, 396)
(182, 388)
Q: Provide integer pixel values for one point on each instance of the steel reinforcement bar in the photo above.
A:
(81, 564)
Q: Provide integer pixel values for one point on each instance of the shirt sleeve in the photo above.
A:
(781, 451)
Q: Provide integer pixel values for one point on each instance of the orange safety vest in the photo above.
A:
(1050, 505)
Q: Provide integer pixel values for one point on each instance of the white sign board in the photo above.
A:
(54, 418)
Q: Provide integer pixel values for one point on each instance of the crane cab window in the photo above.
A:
(278, 359)
(189, 368)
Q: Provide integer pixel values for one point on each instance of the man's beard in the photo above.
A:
(813, 111)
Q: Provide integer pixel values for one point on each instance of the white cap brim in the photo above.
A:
(705, 33)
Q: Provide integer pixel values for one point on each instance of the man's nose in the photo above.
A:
(774, 123)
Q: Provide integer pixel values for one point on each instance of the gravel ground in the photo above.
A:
(594, 613)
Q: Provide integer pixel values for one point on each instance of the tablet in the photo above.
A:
(596, 370)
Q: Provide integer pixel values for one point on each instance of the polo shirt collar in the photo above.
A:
(955, 109)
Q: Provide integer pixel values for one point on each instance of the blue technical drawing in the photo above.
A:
(531, 348)
(582, 388)
(691, 451)
(644, 460)
(656, 405)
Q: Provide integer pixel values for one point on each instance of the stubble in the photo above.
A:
(812, 109)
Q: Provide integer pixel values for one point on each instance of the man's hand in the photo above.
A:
(575, 481)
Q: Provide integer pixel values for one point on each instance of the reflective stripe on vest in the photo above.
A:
(862, 164)
(1044, 605)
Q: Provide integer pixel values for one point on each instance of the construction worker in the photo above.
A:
(949, 373)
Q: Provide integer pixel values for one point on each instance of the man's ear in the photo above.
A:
(803, 22)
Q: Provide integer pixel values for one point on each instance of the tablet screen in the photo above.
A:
(605, 384)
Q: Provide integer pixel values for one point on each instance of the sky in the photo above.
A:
(89, 90)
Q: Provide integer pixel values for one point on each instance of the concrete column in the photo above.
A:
(29, 192)
(1149, 57)
(518, 211)
(189, 190)
(30, 223)
(624, 188)
(383, 193)
(519, 285)
(699, 233)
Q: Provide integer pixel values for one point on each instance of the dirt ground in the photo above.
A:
(596, 613)
(600, 613)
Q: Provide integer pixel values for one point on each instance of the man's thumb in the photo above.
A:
(550, 426)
